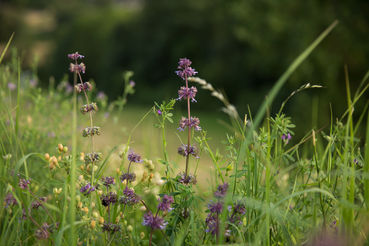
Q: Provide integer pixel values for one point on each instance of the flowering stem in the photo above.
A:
(189, 128)
(91, 125)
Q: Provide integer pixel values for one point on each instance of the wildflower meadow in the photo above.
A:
(253, 183)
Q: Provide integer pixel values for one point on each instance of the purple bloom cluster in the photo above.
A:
(110, 227)
(193, 123)
(237, 211)
(130, 177)
(154, 222)
(133, 157)
(75, 56)
(77, 68)
(221, 191)
(129, 197)
(89, 107)
(12, 86)
(23, 183)
(187, 92)
(184, 70)
(36, 204)
(109, 198)
(108, 181)
(165, 203)
(43, 232)
(186, 151)
(87, 189)
(86, 86)
(187, 179)
(10, 200)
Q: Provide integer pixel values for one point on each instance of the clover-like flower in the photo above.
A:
(133, 157)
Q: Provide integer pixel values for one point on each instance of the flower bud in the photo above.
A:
(101, 220)
(60, 147)
(47, 156)
(142, 235)
(129, 228)
(95, 214)
(65, 149)
(93, 224)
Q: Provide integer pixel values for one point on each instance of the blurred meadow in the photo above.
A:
(99, 147)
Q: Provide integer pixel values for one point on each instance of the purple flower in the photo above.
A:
(185, 150)
(109, 198)
(10, 200)
(193, 123)
(36, 204)
(216, 207)
(132, 83)
(221, 191)
(184, 70)
(130, 177)
(77, 68)
(75, 56)
(187, 179)
(23, 183)
(108, 181)
(12, 86)
(165, 203)
(155, 222)
(212, 224)
(43, 232)
(86, 86)
(159, 112)
(185, 93)
(129, 197)
(238, 211)
(87, 189)
(133, 157)
(286, 138)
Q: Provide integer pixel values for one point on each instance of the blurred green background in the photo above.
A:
(239, 46)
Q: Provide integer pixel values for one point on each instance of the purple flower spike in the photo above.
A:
(10, 200)
(75, 56)
(23, 183)
(184, 70)
(165, 203)
(193, 123)
(221, 191)
(107, 181)
(155, 222)
(133, 157)
(185, 93)
(185, 150)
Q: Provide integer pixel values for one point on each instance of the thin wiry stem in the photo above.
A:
(189, 128)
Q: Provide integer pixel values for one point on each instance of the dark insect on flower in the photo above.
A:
(86, 86)
(166, 202)
(129, 197)
(77, 68)
(185, 150)
(89, 107)
(221, 191)
(92, 157)
(75, 56)
(184, 70)
(187, 179)
(23, 183)
(109, 198)
(193, 123)
(110, 227)
(36, 204)
(91, 131)
(87, 189)
(10, 200)
(133, 157)
(184, 93)
(108, 181)
(154, 222)
(130, 177)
